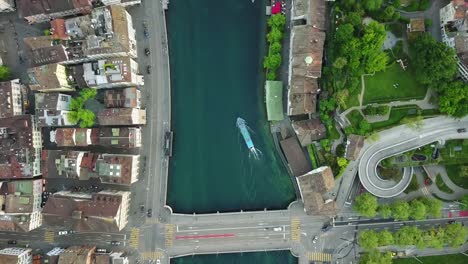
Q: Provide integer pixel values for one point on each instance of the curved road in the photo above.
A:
(398, 140)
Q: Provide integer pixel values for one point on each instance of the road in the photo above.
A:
(398, 140)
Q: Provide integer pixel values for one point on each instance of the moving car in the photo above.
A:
(101, 250)
(12, 242)
(63, 232)
(278, 228)
(461, 130)
(148, 69)
(314, 240)
(142, 208)
(149, 213)
(115, 243)
(71, 232)
(147, 51)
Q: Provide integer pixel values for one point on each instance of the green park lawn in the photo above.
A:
(452, 259)
(453, 171)
(379, 87)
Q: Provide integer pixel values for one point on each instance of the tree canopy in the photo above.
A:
(400, 210)
(368, 239)
(434, 62)
(455, 235)
(417, 210)
(453, 100)
(366, 205)
(278, 20)
(385, 211)
(78, 113)
(5, 73)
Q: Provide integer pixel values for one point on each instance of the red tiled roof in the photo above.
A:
(58, 29)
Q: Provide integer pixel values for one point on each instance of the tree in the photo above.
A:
(417, 210)
(385, 211)
(396, 3)
(341, 96)
(4, 73)
(388, 13)
(364, 126)
(275, 35)
(275, 47)
(84, 117)
(373, 57)
(277, 21)
(434, 237)
(88, 93)
(326, 144)
(407, 235)
(371, 4)
(366, 205)
(374, 137)
(413, 122)
(400, 210)
(354, 18)
(340, 62)
(271, 76)
(455, 235)
(454, 99)
(272, 62)
(385, 238)
(464, 202)
(433, 62)
(342, 162)
(368, 239)
(433, 206)
(375, 257)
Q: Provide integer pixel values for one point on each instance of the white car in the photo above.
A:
(62, 233)
(315, 239)
(158, 261)
(279, 228)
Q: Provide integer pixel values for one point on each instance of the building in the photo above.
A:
(16, 255)
(11, 93)
(309, 130)
(20, 147)
(121, 117)
(43, 50)
(7, 5)
(77, 255)
(52, 109)
(295, 156)
(110, 73)
(416, 25)
(105, 211)
(123, 98)
(305, 68)
(117, 137)
(454, 28)
(49, 78)
(105, 33)
(83, 165)
(309, 12)
(20, 204)
(37, 11)
(114, 257)
(354, 145)
(313, 185)
(53, 255)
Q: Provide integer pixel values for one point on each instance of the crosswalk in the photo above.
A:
(319, 256)
(169, 228)
(151, 221)
(425, 191)
(152, 255)
(296, 229)
(49, 236)
(134, 238)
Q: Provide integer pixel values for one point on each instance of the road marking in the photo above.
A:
(49, 236)
(152, 255)
(199, 229)
(134, 238)
(296, 229)
(151, 221)
(169, 235)
(319, 256)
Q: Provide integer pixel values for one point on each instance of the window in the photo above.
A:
(114, 141)
(63, 98)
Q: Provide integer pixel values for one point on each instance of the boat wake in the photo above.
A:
(244, 130)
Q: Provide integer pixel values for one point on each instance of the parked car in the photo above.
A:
(12, 242)
(326, 227)
(314, 240)
(461, 130)
(149, 213)
(63, 233)
(148, 69)
(147, 51)
(115, 243)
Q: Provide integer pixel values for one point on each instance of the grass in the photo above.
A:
(352, 100)
(452, 259)
(354, 117)
(379, 87)
(333, 133)
(396, 115)
(413, 186)
(452, 155)
(441, 185)
(453, 172)
(311, 150)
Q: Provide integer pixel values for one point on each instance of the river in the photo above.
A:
(216, 51)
